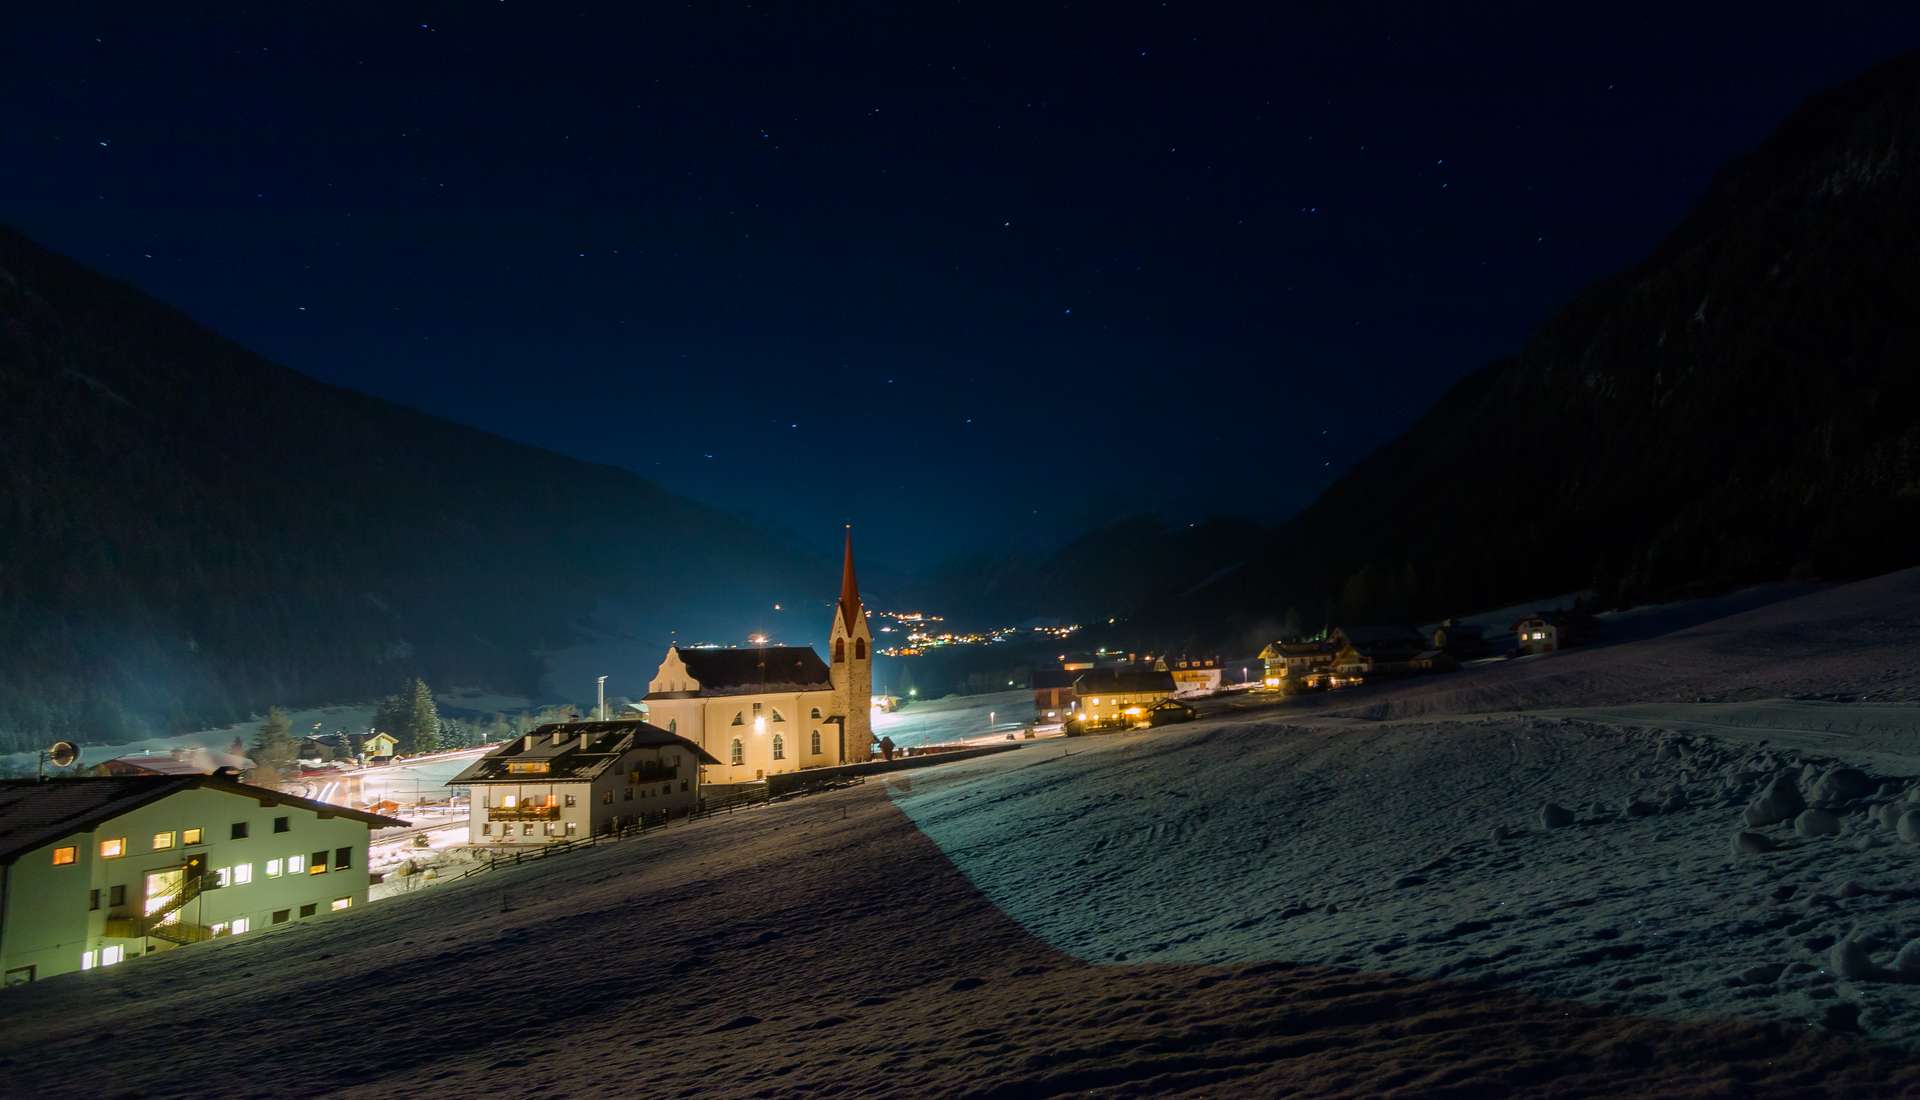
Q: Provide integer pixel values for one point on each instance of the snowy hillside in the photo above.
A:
(1299, 899)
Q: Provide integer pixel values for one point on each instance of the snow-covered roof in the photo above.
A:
(37, 812)
(572, 752)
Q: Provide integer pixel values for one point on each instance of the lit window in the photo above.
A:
(508, 802)
(739, 752)
(296, 864)
(317, 864)
(243, 874)
(113, 847)
(162, 841)
(218, 928)
(572, 828)
(571, 800)
(223, 876)
(189, 836)
(111, 955)
(273, 868)
(87, 959)
(341, 903)
(65, 854)
(242, 924)
(814, 745)
(779, 747)
(525, 830)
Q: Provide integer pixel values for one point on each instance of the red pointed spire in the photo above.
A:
(849, 588)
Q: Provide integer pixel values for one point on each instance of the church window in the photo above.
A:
(816, 714)
(777, 716)
(673, 725)
(739, 719)
(756, 710)
(859, 649)
(839, 650)
(779, 747)
(815, 746)
(739, 752)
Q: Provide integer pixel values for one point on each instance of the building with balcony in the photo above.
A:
(97, 870)
(1107, 698)
(1297, 666)
(575, 779)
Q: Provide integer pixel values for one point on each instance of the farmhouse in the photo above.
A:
(1296, 665)
(574, 779)
(101, 869)
(1544, 632)
(1120, 696)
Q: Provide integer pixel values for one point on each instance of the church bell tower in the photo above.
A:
(852, 669)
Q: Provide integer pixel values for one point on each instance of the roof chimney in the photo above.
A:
(528, 745)
(558, 736)
(583, 742)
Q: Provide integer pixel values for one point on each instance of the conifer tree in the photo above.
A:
(422, 720)
(273, 746)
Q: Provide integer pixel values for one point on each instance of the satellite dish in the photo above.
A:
(63, 754)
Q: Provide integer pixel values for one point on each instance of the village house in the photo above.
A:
(97, 870)
(180, 761)
(1052, 693)
(1365, 652)
(575, 779)
(1544, 632)
(770, 709)
(1124, 696)
(1292, 666)
(1194, 675)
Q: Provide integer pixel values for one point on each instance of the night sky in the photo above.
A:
(962, 274)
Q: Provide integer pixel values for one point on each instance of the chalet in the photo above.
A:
(771, 709)
(378, 748)
(1194, 675)
(97, 870)
(1292, 666)
(1545, 632)
(1363, 652)
(574, 779)
(1052, 693)
(1124, 696)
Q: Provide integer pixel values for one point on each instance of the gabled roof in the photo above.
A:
(559, 746)
(37, 812)
(751, 671)
(1121, 680)
(1044, 678)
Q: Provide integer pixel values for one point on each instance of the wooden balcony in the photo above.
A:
(523, 813)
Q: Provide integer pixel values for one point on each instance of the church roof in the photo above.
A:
(751, 671)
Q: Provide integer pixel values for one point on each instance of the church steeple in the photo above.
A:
(850, 610)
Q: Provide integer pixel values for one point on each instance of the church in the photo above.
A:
(773, 709)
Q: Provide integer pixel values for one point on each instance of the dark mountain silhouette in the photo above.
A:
(1742, 406)
(189, 532)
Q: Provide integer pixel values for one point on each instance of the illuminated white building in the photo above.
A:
(772, 709)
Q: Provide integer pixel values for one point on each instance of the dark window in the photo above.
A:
(816, 737)
(318, 864)
(739, 719)
(239, 830)
(93, 900)
(607, 798)
(527, 829)
(683, 784)
(629, 797)
(839, 650)
(570, 800)
(343, 858)
(486, 828)
(307, 909)
(620, 768)
(280, 825)
(816, 714)
(859, 649)
(280, 915)
(117, 895)
(779, 747)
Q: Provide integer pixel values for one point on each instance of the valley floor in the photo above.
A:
(1351, 896)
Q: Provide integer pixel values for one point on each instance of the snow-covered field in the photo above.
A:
(956, 718)
(1349, 895)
